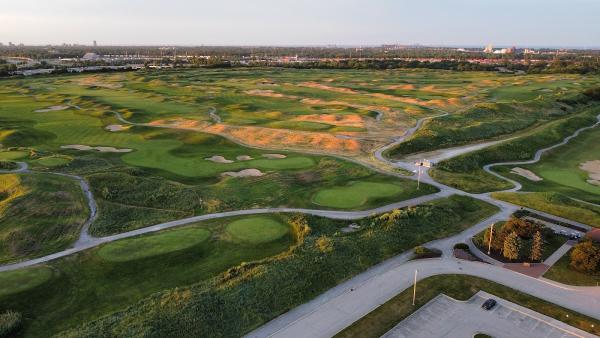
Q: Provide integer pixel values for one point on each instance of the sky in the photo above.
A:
(522, 23)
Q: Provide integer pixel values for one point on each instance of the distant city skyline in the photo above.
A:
(461, 23)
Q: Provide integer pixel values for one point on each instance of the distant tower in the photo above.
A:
(95, 44)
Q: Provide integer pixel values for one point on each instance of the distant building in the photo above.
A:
(91, 57)
(488, 49)
(95, 44)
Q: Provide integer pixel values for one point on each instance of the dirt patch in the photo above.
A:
(218, 159)
(52, 108)
(593, 170)
(116, 127)
(96, 82)
(244, 158)
(401, 87)
(100, 149)
(269, 137)
(274, 156)
(244, 173)
(528, 174)
(179, 123)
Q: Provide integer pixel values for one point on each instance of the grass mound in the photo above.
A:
(12, 282)
(53, 161)
(355, 194)
(261, 229)
(153, 245)
(39, 214)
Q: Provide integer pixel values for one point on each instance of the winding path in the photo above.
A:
(337, 308)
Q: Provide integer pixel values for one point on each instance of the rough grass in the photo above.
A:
(257, 229)
(86, 286)
(460, 287)
(153, 244)
(323, 258)
(39, 214)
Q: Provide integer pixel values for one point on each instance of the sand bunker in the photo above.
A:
(244, 173)
(52, 108)
(348, 120)
(116, 127)
(218, 159)
(401, 86)
(593, 170)
(528, 174)
(317, 85)
(268, 93)
(244, 158)
(274, 156)
(100, 149)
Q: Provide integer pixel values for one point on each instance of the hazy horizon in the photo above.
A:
(462, 23)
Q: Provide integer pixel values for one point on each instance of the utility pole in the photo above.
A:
(490, 241)
(415, 288)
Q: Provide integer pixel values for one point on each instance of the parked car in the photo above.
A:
(489, 304)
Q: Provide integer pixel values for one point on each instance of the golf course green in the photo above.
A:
(355, 194)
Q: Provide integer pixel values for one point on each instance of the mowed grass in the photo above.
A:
(355, 194)
(555, 204)
(17, 281)
(153, 245)
(561, 170)
(257, 229)
(96, 282)
(562, 272)
(52, 161)
(12, 155)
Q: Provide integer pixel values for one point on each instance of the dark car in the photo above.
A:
(488, 304)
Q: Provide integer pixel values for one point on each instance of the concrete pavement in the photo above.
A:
(444, 316)
(325, 317)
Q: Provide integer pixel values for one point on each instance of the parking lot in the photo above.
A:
(446, 317)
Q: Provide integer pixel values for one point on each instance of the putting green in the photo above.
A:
(256, 230)
(153, 245)
(23, 279)
(12, 155)
(355, 194)
(53, 161)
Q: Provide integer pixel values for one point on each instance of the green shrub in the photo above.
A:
(461, 246)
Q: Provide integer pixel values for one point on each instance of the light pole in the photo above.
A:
(415, 288)
(490, 241)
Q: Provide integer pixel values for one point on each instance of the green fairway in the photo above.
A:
(12, 155)
(560, 169)
(154, 244)
(52, 161)
(16, 281)
(256, 230)
(355, 194)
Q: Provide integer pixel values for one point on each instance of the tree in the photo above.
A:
(536, 247)
(585, 257)
(512, 246)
